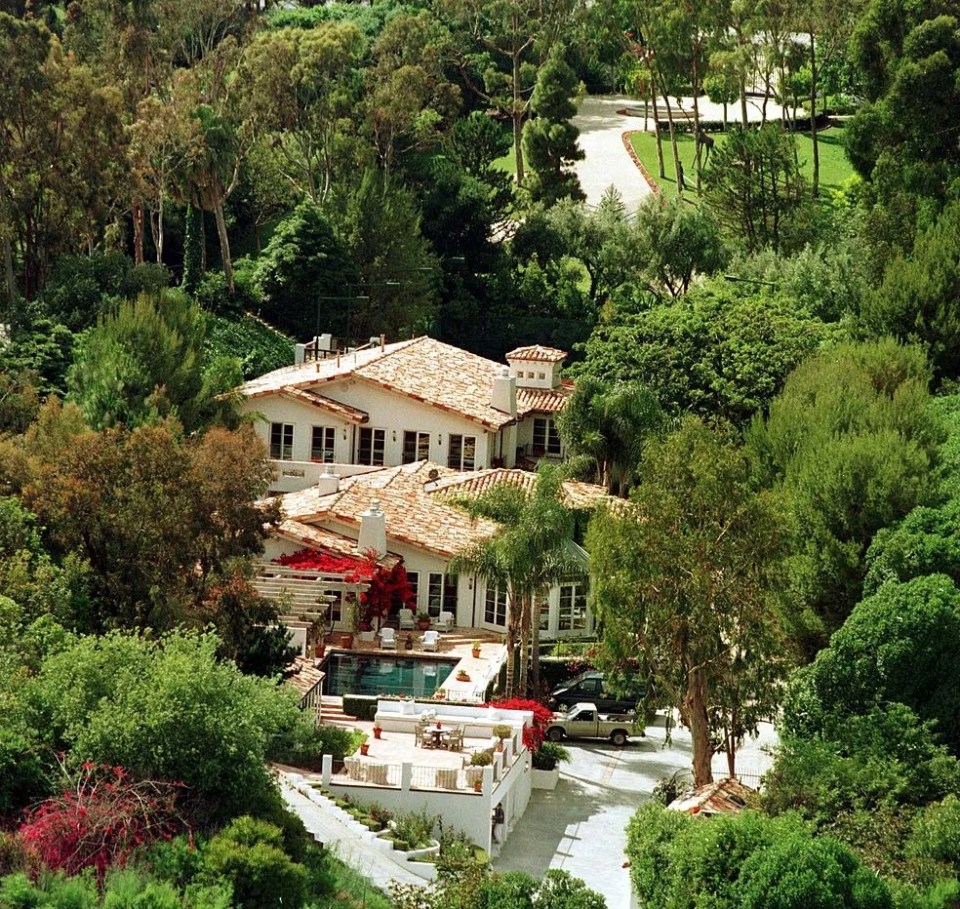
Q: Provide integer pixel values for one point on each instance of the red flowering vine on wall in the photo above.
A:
(101, 821)
(388, 588)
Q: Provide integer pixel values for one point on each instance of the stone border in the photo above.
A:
(628, 145)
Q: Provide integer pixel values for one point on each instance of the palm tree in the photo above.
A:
(609, 426)
(533, 550)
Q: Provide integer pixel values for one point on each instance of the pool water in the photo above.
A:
(355, 674)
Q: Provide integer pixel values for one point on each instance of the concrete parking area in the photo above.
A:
(581, 826)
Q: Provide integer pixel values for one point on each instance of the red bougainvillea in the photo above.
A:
(101, 821)
(542, 717)
(389, 588)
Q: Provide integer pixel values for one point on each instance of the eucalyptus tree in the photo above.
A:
(687, 578)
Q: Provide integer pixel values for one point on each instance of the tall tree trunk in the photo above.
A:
(696, 118)
(517, 118)
(813, 115)
(511, 646)
(695, 707)
(224, 244)
(10, 282)
(136, 212)
(656, 132)
(730, 743)
(678, 169)
(522, 685)
(535, 648)
(159, 240)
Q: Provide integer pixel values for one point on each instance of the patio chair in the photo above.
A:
(455, 738)
(430, 640)
(418, 734)
(444, 621)
(388, 639)
(407, 619)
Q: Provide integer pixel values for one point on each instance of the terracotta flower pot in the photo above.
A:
(346, 641)
(376, 732)
(364, 748)
(475, 653)
(423, 624)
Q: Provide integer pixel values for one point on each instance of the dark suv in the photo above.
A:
(588, 687)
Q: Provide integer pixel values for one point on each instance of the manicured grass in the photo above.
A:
(508, 162)
(834, 166)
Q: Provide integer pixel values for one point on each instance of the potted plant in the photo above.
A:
(423, 620)
(364, 744)
(463, 675)
(546, 760)
(376, 730)
(475, 650)
(474, 772)
(440, 694)
(408, 642)
(502, 732)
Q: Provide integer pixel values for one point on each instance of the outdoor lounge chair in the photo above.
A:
(407, 619)
(430, 640)
(388, 639)
(444, 621)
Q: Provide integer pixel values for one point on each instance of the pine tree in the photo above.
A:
(550, 139)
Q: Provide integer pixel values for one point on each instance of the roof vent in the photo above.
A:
(433, 474)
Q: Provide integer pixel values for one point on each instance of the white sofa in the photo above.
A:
(477, 722)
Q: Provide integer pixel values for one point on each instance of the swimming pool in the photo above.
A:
(369, 674)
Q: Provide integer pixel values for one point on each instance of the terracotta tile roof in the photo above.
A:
(312, 373)
(413, 516)
(326, 540)
(575, 494)
(422, 369)
(727, 796)
(536, 353)
(443, 376)
(303, 675)
(543, 400)
(345, 411)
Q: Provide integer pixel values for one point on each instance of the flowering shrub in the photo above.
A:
(388, 588)
(101, 821)
(542, 717)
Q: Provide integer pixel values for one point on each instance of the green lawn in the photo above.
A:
(834, 166)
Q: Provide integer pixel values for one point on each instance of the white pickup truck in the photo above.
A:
(584, 722)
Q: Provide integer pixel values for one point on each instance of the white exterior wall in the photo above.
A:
(535, 373)
(278, 409)
(553, 599)
(394, 413)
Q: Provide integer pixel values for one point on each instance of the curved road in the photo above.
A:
(607, 161)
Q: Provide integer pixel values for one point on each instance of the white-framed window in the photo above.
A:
(322, 443)
(416, 447)
(462, 453)
(543, 610)
(495, 606)
(413, 579)
(572, 614)
(442, 593)
(546, 439)
(370, 446)
(281, 441)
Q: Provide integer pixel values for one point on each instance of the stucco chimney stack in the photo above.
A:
(504, 397)
(373, 530)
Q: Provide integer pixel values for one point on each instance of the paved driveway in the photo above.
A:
(581, 826)
(607, 162)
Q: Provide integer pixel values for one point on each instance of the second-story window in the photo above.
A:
(322, 444)
(281, 441)
(370, 446)
(546, 439)
(416, 447)
(463, 452)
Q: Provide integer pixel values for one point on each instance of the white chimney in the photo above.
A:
(328, 482)
(504, 397)
(373, 530)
